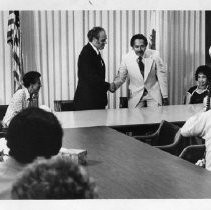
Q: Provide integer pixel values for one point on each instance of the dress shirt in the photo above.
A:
(200, 125)
(96, 50)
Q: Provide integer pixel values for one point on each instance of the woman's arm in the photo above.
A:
(188, 97)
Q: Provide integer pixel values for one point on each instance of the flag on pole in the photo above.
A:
(152, 40)
(14, 40)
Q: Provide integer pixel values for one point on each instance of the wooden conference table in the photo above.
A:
(126, 168)
(127, 117)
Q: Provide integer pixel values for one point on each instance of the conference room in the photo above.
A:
(122, 156)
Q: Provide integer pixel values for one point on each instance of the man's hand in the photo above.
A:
(112, 87)
(165, 101)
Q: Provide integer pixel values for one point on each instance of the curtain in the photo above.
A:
(182, 46)
(52, 41)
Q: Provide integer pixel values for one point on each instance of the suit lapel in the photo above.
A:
(147, 67)
(99, 60)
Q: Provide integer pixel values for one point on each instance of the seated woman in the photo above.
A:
(25, 97)
(197, 93)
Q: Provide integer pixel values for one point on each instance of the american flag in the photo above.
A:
(152, 40)
(14, 40)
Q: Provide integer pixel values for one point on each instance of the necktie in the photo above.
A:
(141, 65)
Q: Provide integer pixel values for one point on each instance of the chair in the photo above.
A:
(123, 102)
(63, 105)
(162, 136)
(193, 153)
(3, 109)
(167, 138)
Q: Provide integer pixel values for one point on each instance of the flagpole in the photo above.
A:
(14, 40)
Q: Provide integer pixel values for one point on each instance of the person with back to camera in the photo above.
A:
(32, 133)
(54, 179)
(25, 97)
(196, 94)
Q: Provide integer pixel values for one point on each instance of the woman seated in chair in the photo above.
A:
(24, 97)
(197, 93)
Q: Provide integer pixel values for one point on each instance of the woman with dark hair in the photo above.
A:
(196, 94)
(32, 133)
(25, 97)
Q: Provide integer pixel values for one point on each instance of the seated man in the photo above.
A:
(25, 97)
(54, 179)
(32, 133)
(199, 125)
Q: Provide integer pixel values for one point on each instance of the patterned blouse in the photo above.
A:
(20, 100)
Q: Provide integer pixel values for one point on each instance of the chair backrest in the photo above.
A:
(63, 105)
(184, 99)
(179, 143)
(193, 153)
(3, 109)
(123, 102)
(166, 133)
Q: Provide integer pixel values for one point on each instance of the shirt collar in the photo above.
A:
(197, 88)
(11, 162)
(95, 49)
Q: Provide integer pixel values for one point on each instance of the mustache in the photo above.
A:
(141, 52)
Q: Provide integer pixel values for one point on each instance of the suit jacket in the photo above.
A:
(91, 92)
(155, 76)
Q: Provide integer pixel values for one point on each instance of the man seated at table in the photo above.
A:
(32, 133)
(54, 179)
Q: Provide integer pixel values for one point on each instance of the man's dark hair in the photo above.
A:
(56, 178)
(204, 69)
(94, 33)
(34, 132)
(30, 77)
(138, 36)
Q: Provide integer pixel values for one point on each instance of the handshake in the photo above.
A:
(112, 87)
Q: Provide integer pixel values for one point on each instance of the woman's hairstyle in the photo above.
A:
(34, 132)
(138, 36)
(94, 33)
(30, 77)
(54, 179)
(204, 69)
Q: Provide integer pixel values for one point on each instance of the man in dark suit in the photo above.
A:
(91, 92)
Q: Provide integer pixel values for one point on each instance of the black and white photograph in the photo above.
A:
(105, 105)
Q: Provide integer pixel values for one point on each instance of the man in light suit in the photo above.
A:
(146, 73)
(91, 92)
